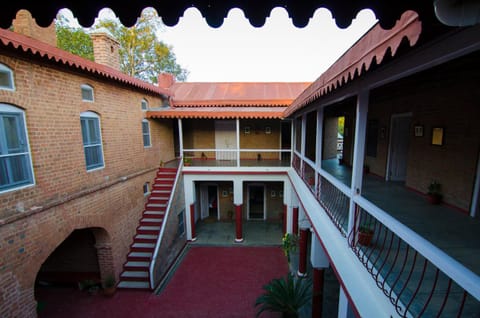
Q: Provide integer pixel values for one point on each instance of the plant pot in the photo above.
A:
(365, 238)
(109, 291)
(434, 198)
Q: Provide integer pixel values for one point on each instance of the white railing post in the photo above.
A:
(180, 137)
(238, 141)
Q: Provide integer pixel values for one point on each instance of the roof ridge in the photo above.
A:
(25, 43)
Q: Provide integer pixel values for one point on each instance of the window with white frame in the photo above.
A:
(92, 140)
(15, 160)
(146, 133)
(87, 93)
(144, 104)
(6, 78)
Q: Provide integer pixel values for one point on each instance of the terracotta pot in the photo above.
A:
(365, 238)
(109, 291)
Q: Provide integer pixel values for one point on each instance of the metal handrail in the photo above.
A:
(165, 218)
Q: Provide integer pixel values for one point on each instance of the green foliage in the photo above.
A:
(434, 188)
(286, 295)
(142, 54)
(109, 281)
(341, 125)
(289, 244)
(73, 40)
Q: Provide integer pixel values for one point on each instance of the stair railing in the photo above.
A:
(164, 222)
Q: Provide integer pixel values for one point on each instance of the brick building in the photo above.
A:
(409, 101)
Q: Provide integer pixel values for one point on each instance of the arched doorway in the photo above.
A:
(78, 264)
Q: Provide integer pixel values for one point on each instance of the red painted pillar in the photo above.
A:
(192, 221)
(317, 296)
(302, 262)
(295, 221)
(238, 224)
(284, 219)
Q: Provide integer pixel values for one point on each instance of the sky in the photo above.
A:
(275, 52)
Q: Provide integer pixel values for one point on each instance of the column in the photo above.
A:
(180, 137)
(303, 244)
(320, 261)
(238, 224)
(192, 222)
(295, 221)
(358, 152)
(284, 219)
(238, 203)
(317, 292)
(344, 308)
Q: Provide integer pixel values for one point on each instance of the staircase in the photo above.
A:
(135, 273)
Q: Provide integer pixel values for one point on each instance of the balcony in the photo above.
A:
(424, 258)
(237, 158)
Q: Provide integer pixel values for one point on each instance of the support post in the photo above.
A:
(238, 224)
(284, 219)
(295, 221)
(317, 295)
(192, 222)
(303, 243)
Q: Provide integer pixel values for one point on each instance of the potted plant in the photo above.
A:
(289, 245)
(109, 286)
(187, 161)
(365, 235)
(285, 295)
(434, 192)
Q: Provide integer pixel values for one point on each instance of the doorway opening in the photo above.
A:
(209, 202)
(399, 146)
(256, 202)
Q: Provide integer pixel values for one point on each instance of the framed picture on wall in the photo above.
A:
(246, 130)
(273, 194)
(418, 131)
(437, 136)
(268, 130)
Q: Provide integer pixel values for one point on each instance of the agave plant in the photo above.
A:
(286, 295)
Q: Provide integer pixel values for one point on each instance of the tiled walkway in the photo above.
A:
(210, 282)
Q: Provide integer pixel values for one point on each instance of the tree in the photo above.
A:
(142, 54)
(73, 39)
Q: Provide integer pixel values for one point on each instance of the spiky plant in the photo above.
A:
(286, 295)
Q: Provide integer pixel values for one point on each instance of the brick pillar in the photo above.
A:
(295, 221)
(317, 295)
(192, 222)
(105, 259)
(238, 224)
(302, 262)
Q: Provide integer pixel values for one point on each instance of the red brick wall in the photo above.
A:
(446, 97)
(65, 196)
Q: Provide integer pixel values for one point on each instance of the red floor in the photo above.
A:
(210, 282)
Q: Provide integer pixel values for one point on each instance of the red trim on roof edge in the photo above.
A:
(26, 44)
(373, 45)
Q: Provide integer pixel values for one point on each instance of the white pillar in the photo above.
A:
(358, 152)
(238, 141)
(344, 309)
(189, 190)
(290, 200)
(180, 137)
(302, 146)
(318, 257)
(476, 192)
(318, 150)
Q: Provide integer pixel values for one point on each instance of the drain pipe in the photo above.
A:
(165, 219)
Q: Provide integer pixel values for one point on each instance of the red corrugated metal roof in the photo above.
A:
(219, 112)
(372, 46)
(43, 50)
(235, 94)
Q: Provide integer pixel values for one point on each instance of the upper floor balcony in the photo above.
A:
(243, 145)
